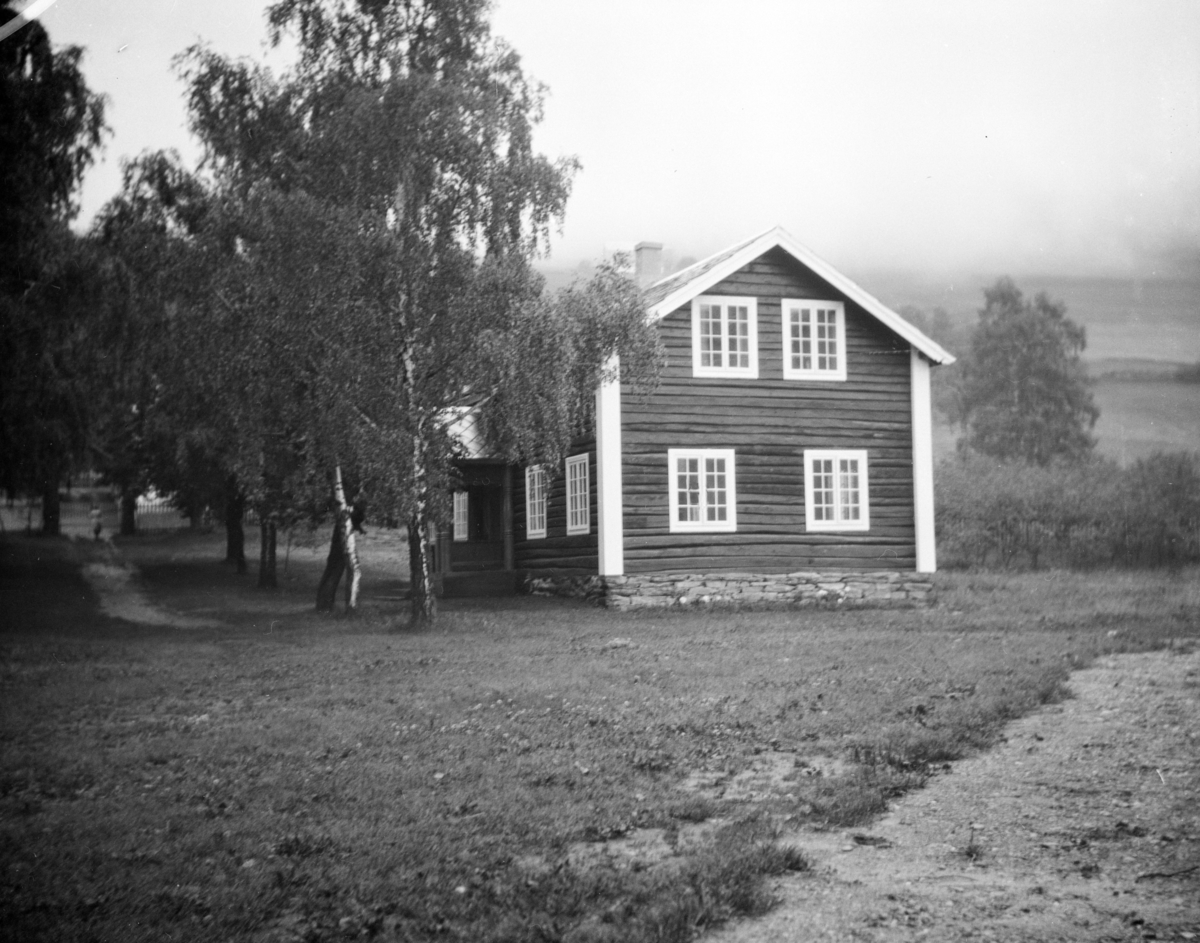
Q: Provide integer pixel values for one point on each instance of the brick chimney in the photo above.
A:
(647, 263)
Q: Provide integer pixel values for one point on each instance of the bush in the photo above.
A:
(1086, 514)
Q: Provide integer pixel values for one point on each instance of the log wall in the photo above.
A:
(557, 553)
(770, 422)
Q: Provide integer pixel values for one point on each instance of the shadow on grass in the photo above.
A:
(43, 593)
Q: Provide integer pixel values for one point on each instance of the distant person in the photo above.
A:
(97, 523)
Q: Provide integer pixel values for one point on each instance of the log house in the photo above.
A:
(791, 433)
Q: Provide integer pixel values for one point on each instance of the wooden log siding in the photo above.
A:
(770, 422)
(557, 554)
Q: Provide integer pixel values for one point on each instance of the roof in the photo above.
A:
(668, 294)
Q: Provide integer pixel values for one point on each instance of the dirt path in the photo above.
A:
(115, 581)
(1084, 825)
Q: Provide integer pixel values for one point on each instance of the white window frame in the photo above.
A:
(725, 303)
(579, 509)
(702, 525)
(836, 456)
(535, 502)
(462, 518)
(791, 336)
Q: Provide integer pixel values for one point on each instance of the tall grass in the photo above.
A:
(993, 513)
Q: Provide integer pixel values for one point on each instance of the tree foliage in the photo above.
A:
(51, 125)
(1024, 391)
(368, 264)
(142, 431)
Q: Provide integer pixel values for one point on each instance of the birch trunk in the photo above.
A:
(424, 601)
(346, 521)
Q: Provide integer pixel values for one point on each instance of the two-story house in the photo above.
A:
(790, 440)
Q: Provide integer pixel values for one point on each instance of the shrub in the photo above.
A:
(1085, 514)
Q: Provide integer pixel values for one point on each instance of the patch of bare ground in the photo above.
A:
(121, 596)
(1083, 824)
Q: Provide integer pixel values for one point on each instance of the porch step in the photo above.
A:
(480, 583)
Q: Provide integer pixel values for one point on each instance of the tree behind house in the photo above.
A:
(1024, 392)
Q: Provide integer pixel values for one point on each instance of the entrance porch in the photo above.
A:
(475, 556)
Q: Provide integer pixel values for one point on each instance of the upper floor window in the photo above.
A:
(814, 346)
(578, 510)
(835, 490)
(535, 502)
(703, 490)
(724, 336)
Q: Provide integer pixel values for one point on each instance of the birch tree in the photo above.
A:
(405, 133)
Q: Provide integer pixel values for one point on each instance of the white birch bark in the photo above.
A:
(353, 570)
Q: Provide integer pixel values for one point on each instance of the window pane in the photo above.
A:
(577, 494)
(714, 489)
(461, 519)
(822, 485)
(710, 336)
(827, 338)
(739, 336)
(848, 489)
(806, 344)
(537, 501)
(688, 478)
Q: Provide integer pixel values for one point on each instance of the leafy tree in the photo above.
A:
(1024, 391)
(50, 127)
(139, 433)
(386, 202)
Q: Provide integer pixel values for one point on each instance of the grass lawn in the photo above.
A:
(530, 770)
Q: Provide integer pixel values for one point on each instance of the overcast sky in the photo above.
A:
(1041, 137)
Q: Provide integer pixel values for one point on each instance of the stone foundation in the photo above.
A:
(742, 590)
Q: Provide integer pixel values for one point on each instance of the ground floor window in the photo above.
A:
(835, 490)
(578, 499)
(535, 501)
(703, 490)
(462, 517)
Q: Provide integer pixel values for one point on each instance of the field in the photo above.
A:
(1138, 418)
(532, 770)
